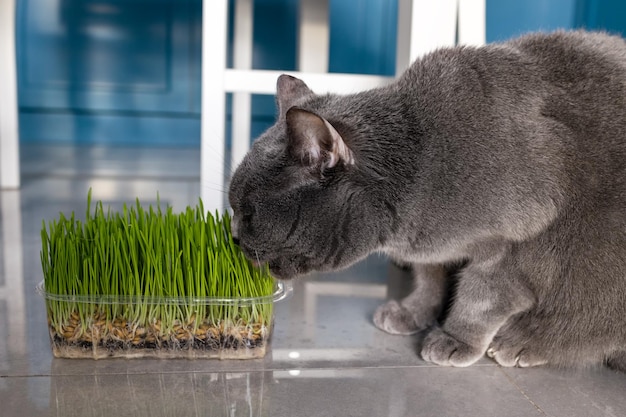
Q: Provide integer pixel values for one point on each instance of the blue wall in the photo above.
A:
(508, 18)
(609, 15)
(114, 71)
(128, 71)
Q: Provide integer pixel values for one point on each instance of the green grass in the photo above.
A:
(149, 268)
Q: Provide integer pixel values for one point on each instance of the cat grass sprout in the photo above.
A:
(147, 282)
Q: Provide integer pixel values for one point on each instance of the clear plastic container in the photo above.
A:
(161, 327)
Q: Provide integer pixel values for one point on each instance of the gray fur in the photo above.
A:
(509, 158)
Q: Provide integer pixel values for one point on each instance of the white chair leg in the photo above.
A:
(242, 57)
(213, 101)
(472, 22)
(9, 134)
(425, 25)
(433, 25)
(403, 35)
(313, 36)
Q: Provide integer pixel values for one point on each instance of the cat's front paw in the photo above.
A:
(442, 349)
(510, 356)
(517, 345)
(393, 318)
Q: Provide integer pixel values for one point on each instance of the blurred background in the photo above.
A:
(127, 72)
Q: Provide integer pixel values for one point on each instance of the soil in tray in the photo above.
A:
(119, 338)
(65, 349)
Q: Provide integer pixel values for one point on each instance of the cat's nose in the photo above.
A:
(236, 240)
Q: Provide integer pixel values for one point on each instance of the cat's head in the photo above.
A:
(299, 196)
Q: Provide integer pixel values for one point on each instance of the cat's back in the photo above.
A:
(533, 64)
(574, 78)
(584, 90)
(581, 79)
(573, 48)
(567, 58)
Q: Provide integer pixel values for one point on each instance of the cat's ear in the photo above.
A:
(314, 142)
(288, 90)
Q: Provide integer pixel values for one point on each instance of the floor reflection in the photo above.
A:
(12, 300)
(164, 394)
(237, 394)
(12, 305)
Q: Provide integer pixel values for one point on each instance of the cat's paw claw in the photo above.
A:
(393, 318)
(514, 357)
(443, 349)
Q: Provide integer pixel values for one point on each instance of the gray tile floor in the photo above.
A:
(326, 358)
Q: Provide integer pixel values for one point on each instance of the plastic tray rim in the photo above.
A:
(283, 290)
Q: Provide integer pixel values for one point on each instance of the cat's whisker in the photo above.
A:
(229, 167)
(227, 171)
(219, 189)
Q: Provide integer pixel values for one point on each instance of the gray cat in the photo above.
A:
(508, 160)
